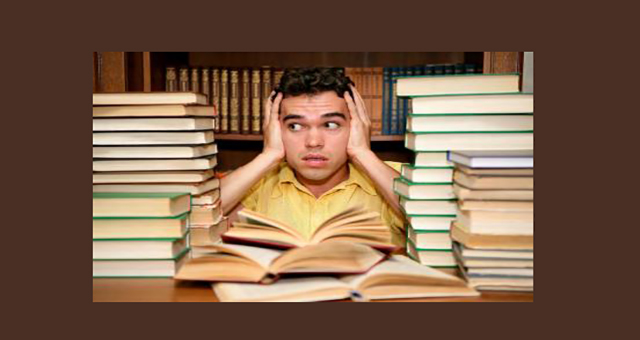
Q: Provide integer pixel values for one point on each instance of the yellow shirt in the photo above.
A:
(281, 196)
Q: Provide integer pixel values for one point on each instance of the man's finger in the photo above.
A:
(360, 105)
(275, 109)
(266, 111)
(353, 111)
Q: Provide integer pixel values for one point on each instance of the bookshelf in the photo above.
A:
(145, 71)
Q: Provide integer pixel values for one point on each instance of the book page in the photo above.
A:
(261, 256)
(284, 290)
(252, 217)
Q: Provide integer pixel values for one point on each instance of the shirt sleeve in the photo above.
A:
(250, 199)
(396, 222)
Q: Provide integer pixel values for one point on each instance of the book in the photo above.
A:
(427, 174)
(205, 236)
(205, 84)
(458, 84)
(499, 272)
(495, 171)
(195, 188)
(354, 224)
(396, 278)
(511, 284)
(437, 258)
(430, 222)
(153, 111)
(194, 83)
(493, 159)
(493, 182)
(234, 101)
(149, 98)
(482, 241)
(428, 207)
(427, 141)
(508, 218)
(256, 99)
(183, 84)
(493, 254)
(122, 204)
(431, 239)
(209, 197)
(224, 101)
(215, 94)
(152, 176)
(152, 138)
(469, 123)
(152, 124)
(203, 215)
(473, 104)
(465, 193)
(394, 129)
(155, 151)
(240, 263)
(140, 228)
(386, 107)
(137, 268)
(171, 84)
(431, 158)
(376, 101)
(245, 102)
(414, 190)
(203, 163)
(134, 249)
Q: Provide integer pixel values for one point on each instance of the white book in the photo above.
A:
(181, 151)
(209, 197)
(155, 164)
(428, 207)
(458, 84)
(152, 124)
(153, 111)
(152, 138)
(511, 272)
(474, 104)
(139, 250)
(432, 240)
(485, 123)
(464, 193)
(152, 176)
(149, 98)
(493, 159)
(468, 253)
(469, 141)
(432, 159)
(426, 222)
(436, 258)
(191, 188)
(427, 174)
(423, 190)
(137, 268)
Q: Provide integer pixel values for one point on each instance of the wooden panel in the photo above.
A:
(146, 71)
(95, 72)
(501, 62)
(135, 71)
(112, 72)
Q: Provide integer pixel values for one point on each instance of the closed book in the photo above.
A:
(491, 254)
(122, 204)
(393, 101)
(437, 258)
(468, 123)
(493, 182)
(234, 101)
(386, 109)
(194, 81)
(209, 197)
(245, 101)
(458, 84)
(484, 241)
(155, 151)
(153, 111)
(137, 268)
(149, 98)
(465, 193)
(205, 215)
(496, 218)
(376, 102)
(152, 176)
(431, 222)
(414, 190)
(493, 159)
(183, 83)
(256, 99)
(267, 87)
(215, 94)
(141, 228)
(205, 84)
(152, 138)
(206, 236)
(203, 163)
(134, 249)
(495, 171)
(152, 124)
(473, 104)
(447, 207)
(191, 188)
(469, 141)
(224, 101)
(427, 174)
(171, 83)
(432, 240)
(431, 158)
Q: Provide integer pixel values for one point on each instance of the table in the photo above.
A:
(169, 290)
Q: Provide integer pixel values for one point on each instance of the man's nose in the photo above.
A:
(314, 139)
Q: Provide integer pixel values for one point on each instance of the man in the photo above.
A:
(316, 160)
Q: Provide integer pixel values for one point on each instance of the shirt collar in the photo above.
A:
(286, 175)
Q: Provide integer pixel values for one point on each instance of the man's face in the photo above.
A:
(315, 132)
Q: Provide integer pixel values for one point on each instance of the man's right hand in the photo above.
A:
(272, 132)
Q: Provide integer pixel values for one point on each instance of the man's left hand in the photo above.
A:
(359, 135)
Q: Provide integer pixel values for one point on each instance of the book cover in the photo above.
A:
(224, 101)
(215, 94)
(245, 102)
(234, 101)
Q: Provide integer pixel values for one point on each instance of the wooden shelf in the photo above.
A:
(251, 137)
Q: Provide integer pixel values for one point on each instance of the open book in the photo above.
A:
(353, 225)
(396, 278)
(232, 262)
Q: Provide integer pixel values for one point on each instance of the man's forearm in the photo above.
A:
(235, 185)
(382, 176)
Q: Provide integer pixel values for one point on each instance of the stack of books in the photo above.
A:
(494, 230)
(139, 234)
(453, 112)
(158, 143)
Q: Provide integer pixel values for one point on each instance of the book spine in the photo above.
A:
(367, 75)
(256, 98)
(171, 84)
(267, 87)
(224, 101)
(215, 95)
(376, 102)
(184, 80)
(406, 102)
(277, 75)
(245, 107)
(195, 81)
(394, 102)
(205, 84)
(234, 101)
(385, 101)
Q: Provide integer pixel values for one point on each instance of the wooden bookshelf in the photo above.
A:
(252, 137)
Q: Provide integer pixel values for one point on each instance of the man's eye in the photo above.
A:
(295, 127)
(332, 125)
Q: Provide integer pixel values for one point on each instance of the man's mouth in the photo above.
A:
(315, 160)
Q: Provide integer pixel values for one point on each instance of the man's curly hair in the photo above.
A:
(313, 80)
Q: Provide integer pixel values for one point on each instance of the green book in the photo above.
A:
(149, 268)
(140, 205)
(427, 174)
(470, 123)
(140, 228)
(474, 140)
(458, 84)
(140, 249)
(506, 103)
(413, 190)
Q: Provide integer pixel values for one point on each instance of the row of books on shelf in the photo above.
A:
(240, 94)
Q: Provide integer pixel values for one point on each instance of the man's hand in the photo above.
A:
(273, 145)
(359, 140)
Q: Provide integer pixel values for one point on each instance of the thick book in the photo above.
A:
(396, 278)
(234, 101)
(152, 124)
(196, 188)
(431, 222)
(435, 207)
(469, 123)
(430, 239)
(465, 193)
(140, 249)
(394, 129)
(240, 263)
(215, 94)
(491, 254)
(155, 151)
(432, 158)
(496, 218)
(355, 225)
(137, 268)
(204, 215)
(153, 111)
(256, 99)
(203, 163)
(437, 258)
(493, 159)
(473, 104)
(209, 197)
(493, 182)
(386, 108)
(414, 190)
(120, 204)
(376, 102)
(458, 84)
(152, 176)
(484, 241)
(149, 98)
(152, 138)
(245, 101)
(518, 172)
(201, 236)
(140, 228)
(427, 174)
(224, 101)
(442, 141)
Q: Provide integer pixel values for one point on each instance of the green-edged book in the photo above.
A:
(151, 268)
(413, 190)
(442, 141)
(427, 174)
(433, 207)
(432, 158)
(467, 123)
(458, 84)
(140, 228)
(437, 258)
(473, 104)
(140, 249)
(431, 222)
(431, 239)
(126, 205)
